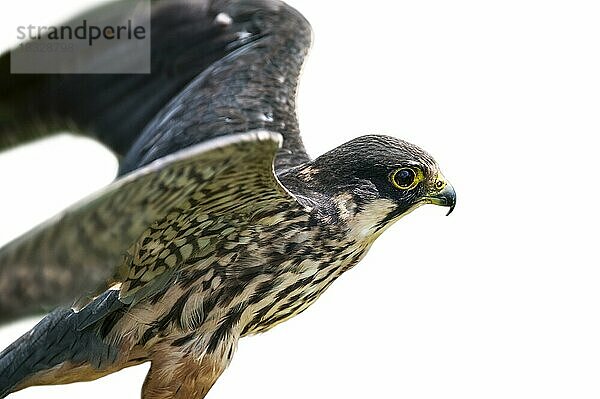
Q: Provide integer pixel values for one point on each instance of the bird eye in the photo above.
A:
(405, 178)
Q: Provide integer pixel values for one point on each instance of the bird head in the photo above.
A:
(372, 181)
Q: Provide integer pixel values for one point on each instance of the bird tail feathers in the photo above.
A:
(65, 346)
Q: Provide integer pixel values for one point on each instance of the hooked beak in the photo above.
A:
(444, 197)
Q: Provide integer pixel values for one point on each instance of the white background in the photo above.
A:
(499, 300)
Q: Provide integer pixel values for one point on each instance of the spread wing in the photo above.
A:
(228, 175)
(219, 68)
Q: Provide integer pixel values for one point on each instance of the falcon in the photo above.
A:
(219, 224)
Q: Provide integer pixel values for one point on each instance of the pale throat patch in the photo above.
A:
(364, 223)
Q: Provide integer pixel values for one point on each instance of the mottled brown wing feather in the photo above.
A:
(231, 171)
(225, 191)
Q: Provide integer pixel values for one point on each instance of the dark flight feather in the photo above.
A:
(264, 41)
